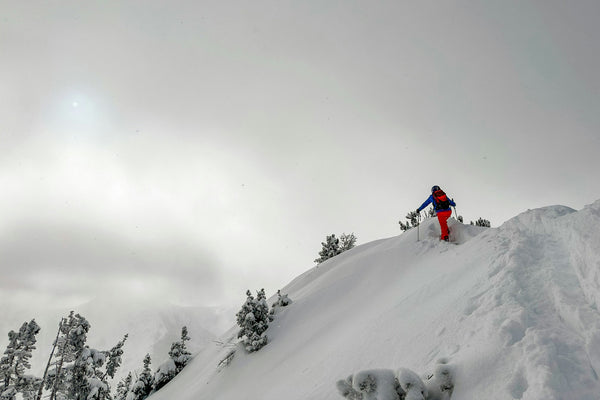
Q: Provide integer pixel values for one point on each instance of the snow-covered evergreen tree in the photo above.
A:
(179, 356)
(347, 242)
(164, 374)
(330, 248)
(253, 319)
(70, 344)
(8, 360)
(26, 345)
(8, 393)
(123, 387)
(115, 358)
(15, 361)
(89, 381)
(75, 371)
(28, 386)
(85, 381)
(145, 382)
(179, 352)
(333, 246)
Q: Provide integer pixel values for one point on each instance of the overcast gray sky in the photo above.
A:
(190, 150)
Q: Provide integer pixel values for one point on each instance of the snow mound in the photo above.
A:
(513, 310)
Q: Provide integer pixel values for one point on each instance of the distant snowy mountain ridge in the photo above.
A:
(508, 313)
(151, 327)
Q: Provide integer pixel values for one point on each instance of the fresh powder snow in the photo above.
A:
(504, 313)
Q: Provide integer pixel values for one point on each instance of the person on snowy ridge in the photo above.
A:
(441, 205)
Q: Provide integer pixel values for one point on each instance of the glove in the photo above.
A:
(418, 210)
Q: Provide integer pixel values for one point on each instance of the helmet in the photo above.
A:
(436, 187)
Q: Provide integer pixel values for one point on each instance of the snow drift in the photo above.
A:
(512, 311)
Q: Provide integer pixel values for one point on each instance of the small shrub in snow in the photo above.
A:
(482, 222)
(253, 319)
(376, 384)
(282, 301)
(413, 221)
(404, 384)
(227, 360)
(333, 246)
(330, 248)
(347, 242)
(229, 348)
(444, 378)
(441, 384)
(412, 385)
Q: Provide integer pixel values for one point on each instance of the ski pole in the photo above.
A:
(418, 224)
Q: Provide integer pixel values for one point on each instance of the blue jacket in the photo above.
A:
(430, 200)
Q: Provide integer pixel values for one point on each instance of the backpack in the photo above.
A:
(440, 200)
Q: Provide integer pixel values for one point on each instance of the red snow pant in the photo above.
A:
(443, 219)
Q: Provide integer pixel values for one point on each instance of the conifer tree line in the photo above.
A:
(333, 246)
(75, 371)
(412, 220)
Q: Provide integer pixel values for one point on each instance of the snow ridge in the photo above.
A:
(513, 310)
(541, 289)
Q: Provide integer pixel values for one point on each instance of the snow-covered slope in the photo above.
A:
(512, 310)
